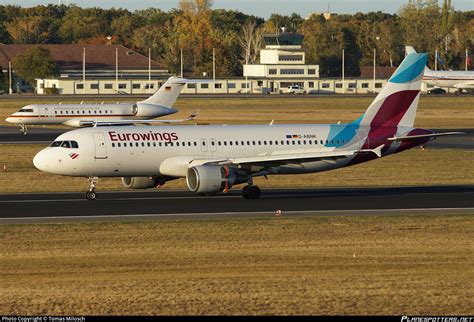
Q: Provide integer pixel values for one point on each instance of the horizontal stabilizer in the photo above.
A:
(414, 137)
(377, 151)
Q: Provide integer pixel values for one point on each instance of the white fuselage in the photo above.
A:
(170, 150)
(456, 79)
(77, 115)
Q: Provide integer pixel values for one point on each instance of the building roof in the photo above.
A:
(98, 57)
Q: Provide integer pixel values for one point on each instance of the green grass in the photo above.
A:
(375, 265)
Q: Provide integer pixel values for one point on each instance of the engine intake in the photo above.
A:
(142, 182)
(210, 179)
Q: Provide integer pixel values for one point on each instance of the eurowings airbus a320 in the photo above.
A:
(215, 158)
(82, 115)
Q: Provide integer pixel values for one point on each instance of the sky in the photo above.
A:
(260, 8)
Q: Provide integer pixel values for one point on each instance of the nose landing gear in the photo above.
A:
(23, 129)
(91, 194)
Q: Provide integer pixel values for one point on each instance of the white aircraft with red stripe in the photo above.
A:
(459, 79)
(215, 158)
(83, 115)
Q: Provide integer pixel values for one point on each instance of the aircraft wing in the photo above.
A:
(191, 117)
(414, 137)
(281, 158)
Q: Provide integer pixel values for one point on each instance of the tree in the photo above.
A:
(251, 42)
(232, 21)
(291, 23)
(123, 28)
(153, 16)
(420, 23)
(33, 30)
(352, 52)
(81, 23)
(193, 27)
(35, 62)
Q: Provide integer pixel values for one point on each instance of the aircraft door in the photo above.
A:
(47, 113)
(100, 147)
(362, 138)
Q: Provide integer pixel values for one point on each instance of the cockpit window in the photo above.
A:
(65, 144)
(26, 110)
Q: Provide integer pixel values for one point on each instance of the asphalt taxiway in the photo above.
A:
(64, 207)
(43, 135)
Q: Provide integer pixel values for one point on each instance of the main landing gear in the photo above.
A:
(251, 192)
(91, 194)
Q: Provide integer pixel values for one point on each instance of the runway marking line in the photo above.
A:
(115, 199)
(270, 213)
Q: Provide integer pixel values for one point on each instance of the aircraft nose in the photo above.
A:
(9, 120)
(40, 161)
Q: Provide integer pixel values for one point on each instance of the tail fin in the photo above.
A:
(397, 103)
(411, 50)
(168, 93)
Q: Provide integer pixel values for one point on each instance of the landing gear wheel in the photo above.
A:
(251, 192)
(23, 129)
(91, 195)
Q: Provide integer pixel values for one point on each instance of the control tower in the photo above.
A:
(282, 57)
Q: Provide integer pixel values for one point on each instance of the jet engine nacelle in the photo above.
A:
(141, 182)
(152, 110)
(211, 178)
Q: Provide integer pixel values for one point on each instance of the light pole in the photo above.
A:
(375, 55)
(84, 70)
(116, 70)
(214, 70)
(343, 87)
(10, 89)
(149, 70)
(467, 59)
(182, 63)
